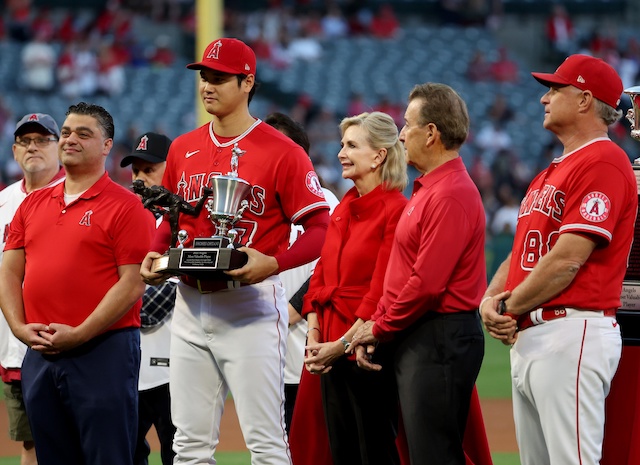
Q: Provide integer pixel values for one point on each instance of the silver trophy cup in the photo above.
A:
(210, 256)
(227, 203)
(632, 114)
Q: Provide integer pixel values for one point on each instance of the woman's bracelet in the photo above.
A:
(311, 329)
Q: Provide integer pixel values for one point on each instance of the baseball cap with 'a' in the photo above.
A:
(586, 73)
(36, 122)
(150, 147)
(228, 56)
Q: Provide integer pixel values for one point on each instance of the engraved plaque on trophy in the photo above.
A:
(630, 296)
(208, 257)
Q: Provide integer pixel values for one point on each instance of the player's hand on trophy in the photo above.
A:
(149, 276)
(499, 326)
(258, 268)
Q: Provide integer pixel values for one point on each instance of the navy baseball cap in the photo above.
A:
(151, 147)
(228, 56)
(36, 122)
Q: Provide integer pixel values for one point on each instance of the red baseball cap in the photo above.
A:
(229, 56)
(586, 73)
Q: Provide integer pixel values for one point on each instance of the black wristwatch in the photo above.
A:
(502, 307)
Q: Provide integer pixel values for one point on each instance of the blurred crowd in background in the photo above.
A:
(90, 53)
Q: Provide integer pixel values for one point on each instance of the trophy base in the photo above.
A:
(200, 262)
(630, 295)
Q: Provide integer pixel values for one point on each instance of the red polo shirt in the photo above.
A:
(72, 252)
(437, 261)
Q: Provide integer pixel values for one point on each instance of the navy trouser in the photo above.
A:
(83, 404)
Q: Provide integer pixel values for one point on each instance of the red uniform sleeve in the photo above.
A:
(595, 203)
(316, 282)
(308, 246)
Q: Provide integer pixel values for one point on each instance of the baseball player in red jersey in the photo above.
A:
(560, 286)
(231, 335)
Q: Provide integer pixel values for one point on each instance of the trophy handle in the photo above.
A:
(243, 206)
(232, 234)
(182, 238)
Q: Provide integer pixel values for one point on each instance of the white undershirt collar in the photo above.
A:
(234, 141)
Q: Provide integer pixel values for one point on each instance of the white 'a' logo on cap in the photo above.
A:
(247, 67)
(580, 79)
(215, 50)
(143, 143)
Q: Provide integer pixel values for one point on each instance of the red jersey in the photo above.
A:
(437, 261)
(72, 252)
(591, 191)
(284, 185)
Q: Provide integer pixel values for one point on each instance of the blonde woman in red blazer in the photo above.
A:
(345, 289)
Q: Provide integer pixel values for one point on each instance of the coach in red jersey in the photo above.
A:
(70, 289)
(434, 281)
(231, 335)
(560, 286)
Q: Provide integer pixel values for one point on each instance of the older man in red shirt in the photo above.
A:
(434, 282)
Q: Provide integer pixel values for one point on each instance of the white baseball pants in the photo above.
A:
(229, 340)
(561, 373)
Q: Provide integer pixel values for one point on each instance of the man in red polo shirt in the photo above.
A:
(434, 281)
(70, 290)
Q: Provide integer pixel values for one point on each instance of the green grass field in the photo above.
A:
(494, 380)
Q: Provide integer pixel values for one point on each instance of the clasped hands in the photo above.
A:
(322, 355)
(501, 327)
(49, 339)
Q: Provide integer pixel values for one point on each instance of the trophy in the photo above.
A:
(634, 94)
(630, 295)
(225, 203)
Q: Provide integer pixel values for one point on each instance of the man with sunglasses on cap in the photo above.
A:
(231, 335)
(148, 162)
(555, 296)
(35, 149)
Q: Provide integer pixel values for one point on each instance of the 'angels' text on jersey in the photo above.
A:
(191, 190)
(550, 202)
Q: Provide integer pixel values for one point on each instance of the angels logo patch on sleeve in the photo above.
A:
(595, 207)
(313, 184)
